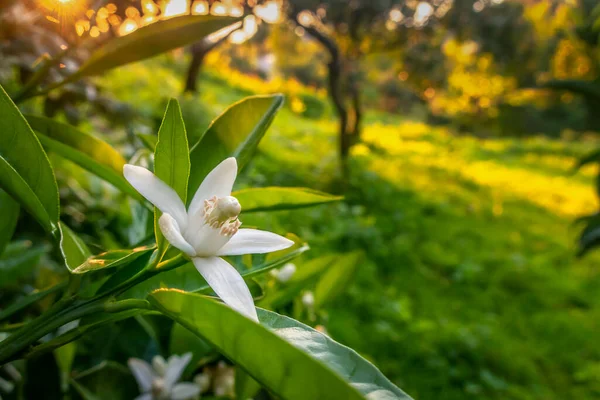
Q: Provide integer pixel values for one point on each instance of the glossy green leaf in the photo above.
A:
(245, 386)
(150, 41)
(280, 353)
(183, 341)
(8, 218)
(235, 133)
(171, 160)
(337, 277)
(112, 259)
(187, 277)
(25, 171)
(281, 198)
(73, 249)
(83, 149)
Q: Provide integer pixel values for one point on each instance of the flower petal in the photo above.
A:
(227, 283)
(170, 229)
(184, 391)
(145, 396)
(142, 372)
(175, 367)
(156, 192)
(253, 241)
(218, 182)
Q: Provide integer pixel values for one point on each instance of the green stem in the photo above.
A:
(29, 300)
(68, 309)
(25, 337)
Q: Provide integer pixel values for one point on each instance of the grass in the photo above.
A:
(470, 287)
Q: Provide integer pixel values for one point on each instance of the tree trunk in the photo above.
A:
(335, 90)
(199, 51)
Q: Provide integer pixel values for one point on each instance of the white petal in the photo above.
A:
(170, 228)
(156, 192)
(207, 240)
(142, 372)
(254, 241)
(227, 283)
(175, 368)
(145, 396)
(218, 182)
(184, 391)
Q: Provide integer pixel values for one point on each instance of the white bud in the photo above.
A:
(308, 299)
(286, 272)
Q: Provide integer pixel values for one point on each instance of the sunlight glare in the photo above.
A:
(269, 12)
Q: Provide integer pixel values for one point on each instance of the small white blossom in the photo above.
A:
(208, 229)
(159, 380)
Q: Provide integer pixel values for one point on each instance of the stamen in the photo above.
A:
(222, 213)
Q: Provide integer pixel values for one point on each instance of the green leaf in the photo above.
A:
(245, 386)
(171, 160)
(189, 279)
(337, 277)
(8, 218)
(148, 140)
(73, 249)
(106, 381)
(183, 341)
(281, 198)
(150, 41)
(25, 171)
(306, 274)
(85, 150)
(19, 260)
(28, 300)
(112, 259)
(235, 133)
(280, 353)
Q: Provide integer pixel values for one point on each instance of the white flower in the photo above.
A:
(209, 229)
(159, 381)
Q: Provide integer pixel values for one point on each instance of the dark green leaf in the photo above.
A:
(235, 133)
(150, 41)
(171, 160)
(111, 259)
(106, 381)
(8, 218)
(73, 249)
(25, 171)
(85, 150)
(281, 198)
(19, 260)
(280, 353)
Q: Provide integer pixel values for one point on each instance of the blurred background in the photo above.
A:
(463, 135)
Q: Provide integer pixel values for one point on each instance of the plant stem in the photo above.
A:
(69, 309)
(12, 346)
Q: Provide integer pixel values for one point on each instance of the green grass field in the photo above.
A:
(470, 287)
